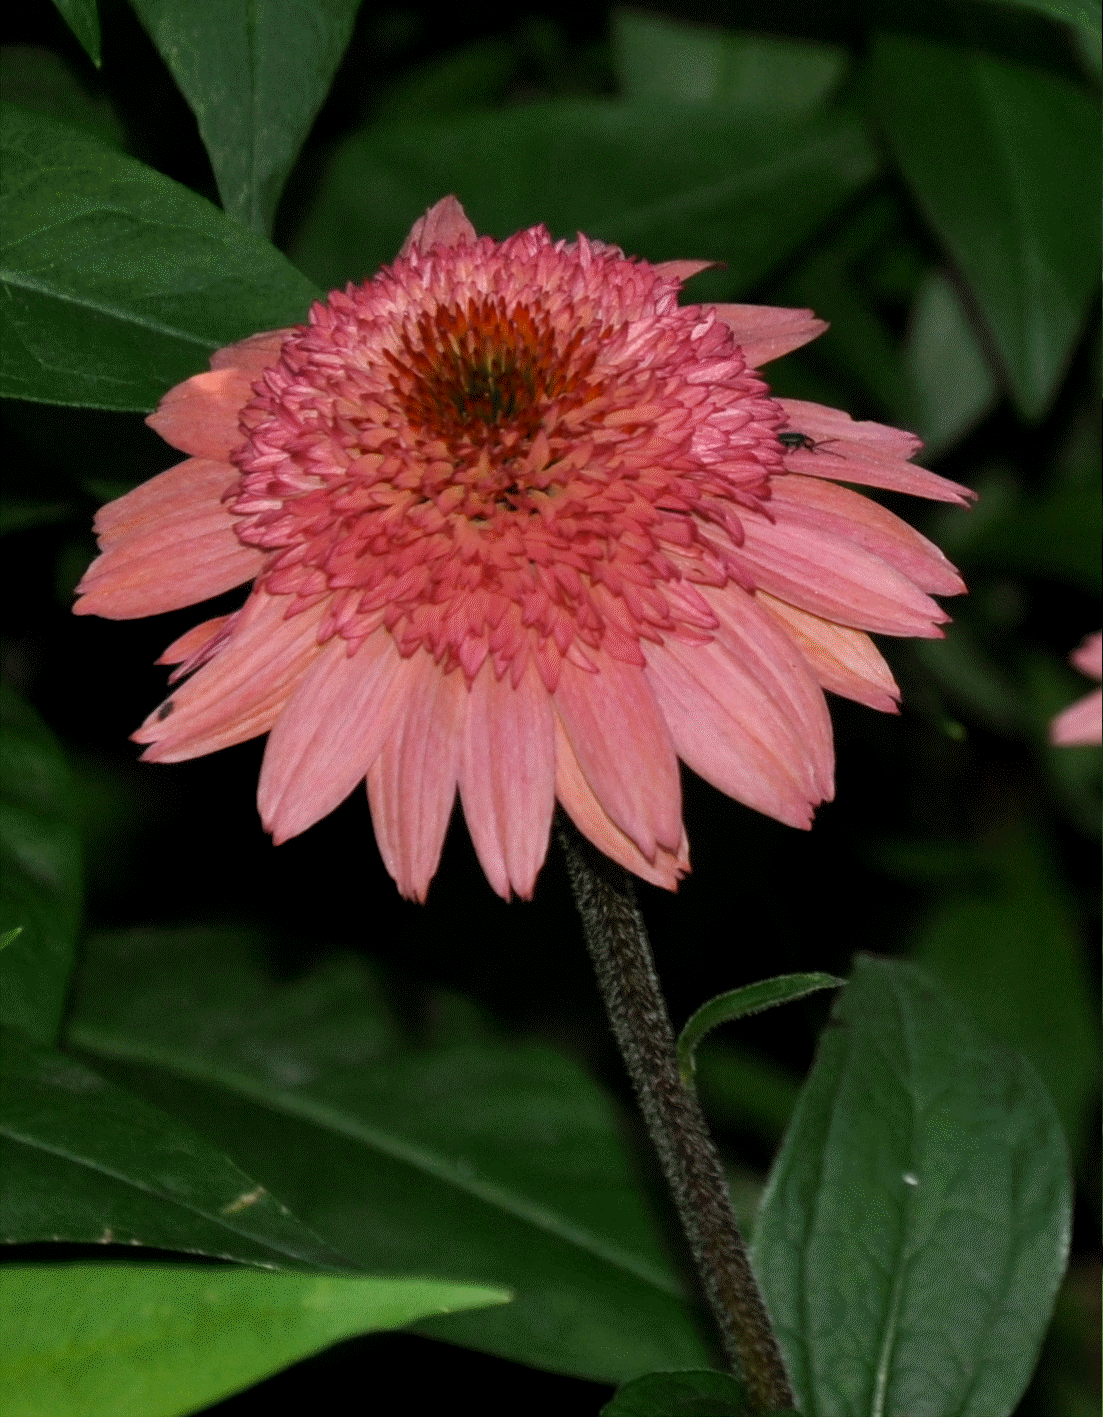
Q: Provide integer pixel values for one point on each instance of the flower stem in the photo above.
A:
(617, 940)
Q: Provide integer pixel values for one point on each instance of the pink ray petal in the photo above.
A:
(196, 484)
(1080, 724)
(574, 792)
(330, 732)
(507, 777)
(832, 577)
(779, 688)
(811, 502)
(1088, 657)
(766, 332)
(412, 783)
(703, 695)
(845, 661)
(194, 640)
(238, 694)
(684, 270)
(128, 579)
(201, 415)
(623, 746)
(444, 224)
(253, 355)
(870, 454)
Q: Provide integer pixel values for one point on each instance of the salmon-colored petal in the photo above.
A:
(766, 332)
(714, 722)
(870, 454)
(239, 693)
(836, 579)
(623, 746)
(578, 800)
(507, 777)
(1088, 657)
(330, 732)
(253, 355)
(187, 557)
(811, 502)
(202, 415)
(844, 661)
(1081, 723)
(444, 224)
(684, 270)
(194, 640)
(194, 485)
(412, 783)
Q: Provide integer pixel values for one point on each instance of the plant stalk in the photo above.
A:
(617, 940)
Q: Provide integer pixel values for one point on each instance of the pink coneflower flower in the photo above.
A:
(1082, 722)
(519, 524)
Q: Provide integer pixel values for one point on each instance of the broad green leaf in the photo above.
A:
(490, 1161)
(738, 1003)
(661, 182)
(704, 1393)
(43, 80)
(148, 1340)
(662, 60)
(1010, 951)
(953, 386)
(83, 18)
(85, 1162)
(915, 1226)
(40, 873)
(976, 137)
(255, 73)
(117, 282)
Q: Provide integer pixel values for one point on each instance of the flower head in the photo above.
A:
(1082, 722)
(519, 524)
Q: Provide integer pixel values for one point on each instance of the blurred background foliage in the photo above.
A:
(926, 178)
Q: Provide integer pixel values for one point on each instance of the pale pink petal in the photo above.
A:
(831, 577)
(623, 746)
(196, 484)
(194, 640)
(870, 454)
(412, 783)
(330, 732)
(238, 694)
(578, 801)
(766, 332)
(1088, 657)
(507, 777)
(779, 696)
(845, 661)
(202, 415)
(703, 696)
(444, 224)
(253, 355)
(684, 270)
(1081, 723)
(809, 501)
(185, 557)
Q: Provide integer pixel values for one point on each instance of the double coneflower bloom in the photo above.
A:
(516, 522)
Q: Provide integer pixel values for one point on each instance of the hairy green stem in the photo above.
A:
(617, 940)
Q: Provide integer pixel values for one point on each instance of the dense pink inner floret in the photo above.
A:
(506, 449)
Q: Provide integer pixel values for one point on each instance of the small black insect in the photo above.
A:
(794, 442)
(164, 711)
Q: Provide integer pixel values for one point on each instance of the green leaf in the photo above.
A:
(704, 1393)
(40, 872)
(660, 182)
(1083, 14)
(916, 1223)
(953, 387)
(146, 1340)
(657, 59)
(86, 1162)
(255, 73)
(486, 1160)
(83, 18)
(975, 136)
(1011, 953)
(43, 80)
(738, 1003)
(119, 283)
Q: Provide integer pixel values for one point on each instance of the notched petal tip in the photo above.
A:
(444, 224)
